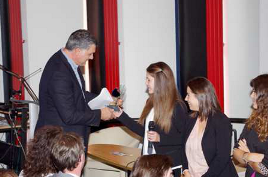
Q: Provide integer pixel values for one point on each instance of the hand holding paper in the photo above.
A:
(101, 102)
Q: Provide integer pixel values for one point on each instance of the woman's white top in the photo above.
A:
(149, 118)
(196, 160)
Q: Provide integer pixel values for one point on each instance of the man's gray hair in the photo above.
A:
(81, 39)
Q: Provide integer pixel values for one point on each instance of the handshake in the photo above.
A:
(112, 111)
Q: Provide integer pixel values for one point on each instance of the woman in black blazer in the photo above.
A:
(252, 148)
(208, 134)
(166, 108)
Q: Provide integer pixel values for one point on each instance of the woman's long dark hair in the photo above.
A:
(164, 98)
(38, 162)
(258, 119)
(206, 96)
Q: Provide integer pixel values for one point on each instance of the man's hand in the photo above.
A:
(107, 114)
(118, 113)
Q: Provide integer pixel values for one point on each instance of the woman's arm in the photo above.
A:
(244, 156)
(255, 166)
(131, 124)
(238, 155)
(254, 157)
(242, 153)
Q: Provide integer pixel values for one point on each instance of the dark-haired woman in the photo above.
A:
(154, 165)
(166, 108)
(208, 134)
(252, 148)
(38, 161)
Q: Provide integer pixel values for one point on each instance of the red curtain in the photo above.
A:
(16, 42)
(111, 44)
(215, 46)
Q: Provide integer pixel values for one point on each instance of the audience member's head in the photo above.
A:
(7, 173)
(201, 97)
(68, 153)
(259, 116)
(152, 166)
(38, 162)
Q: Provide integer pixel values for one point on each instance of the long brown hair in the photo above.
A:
(7, 173)
(154, 165)
(164, 98)
(206, 96)
(258, 119)
(38, 162)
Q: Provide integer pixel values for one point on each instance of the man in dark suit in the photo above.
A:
(62, 95)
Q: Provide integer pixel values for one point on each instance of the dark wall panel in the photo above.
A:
(96, 27)
(192, 16)
(5, 48)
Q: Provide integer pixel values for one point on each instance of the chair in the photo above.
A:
(112, 135)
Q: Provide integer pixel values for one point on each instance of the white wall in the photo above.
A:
(245, 52)
(241, 55)
(46, 26)
(146, 35)
(263, 27)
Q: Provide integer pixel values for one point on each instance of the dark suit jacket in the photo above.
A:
(171, 143)
(216, 145)
(61, 99)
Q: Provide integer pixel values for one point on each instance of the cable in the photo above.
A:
(16, 133)
(128, 165)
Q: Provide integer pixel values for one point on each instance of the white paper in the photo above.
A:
(101, 101)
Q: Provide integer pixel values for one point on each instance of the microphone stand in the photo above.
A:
(23, 82)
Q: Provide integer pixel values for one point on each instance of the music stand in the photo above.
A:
(22, 82)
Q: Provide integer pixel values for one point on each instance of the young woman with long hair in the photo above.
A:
(252, 147)
(168, 111)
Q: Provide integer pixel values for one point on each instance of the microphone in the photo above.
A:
(150, 144)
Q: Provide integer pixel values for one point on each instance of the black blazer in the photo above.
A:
(61, 99)
(170, 144)
(216, 145)
(254, 145)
